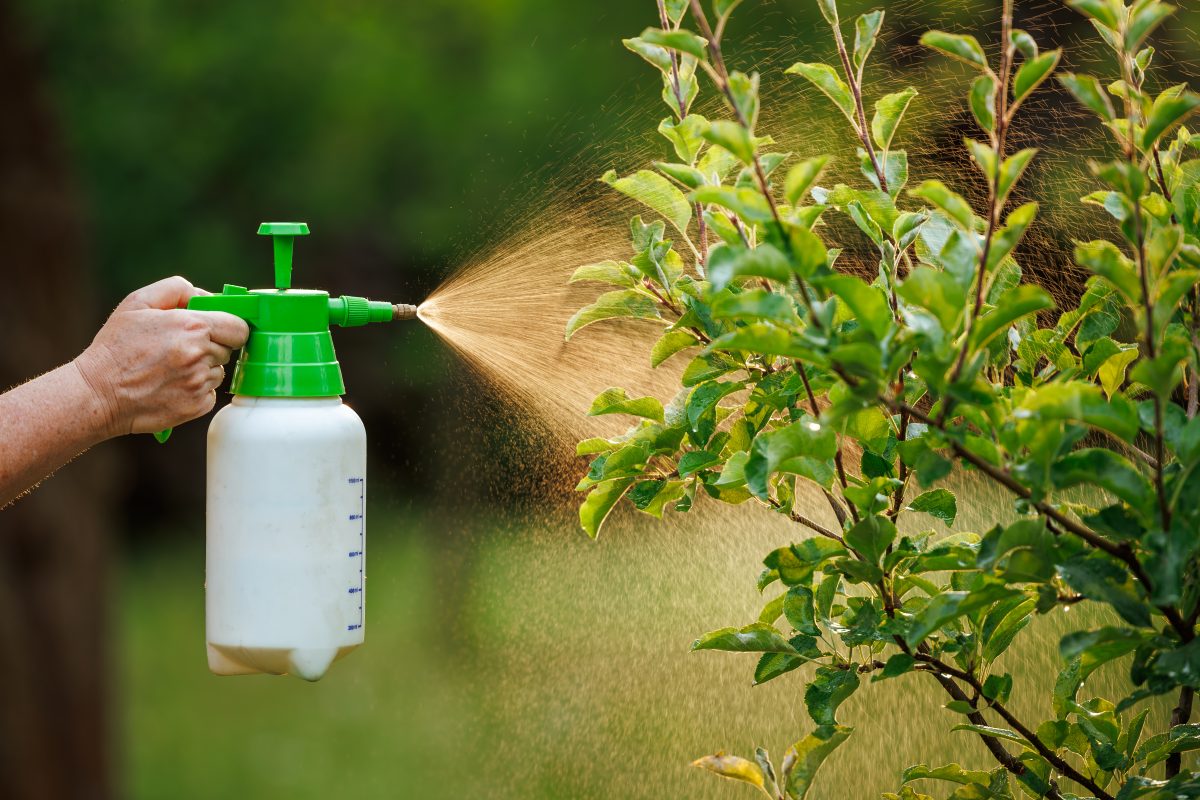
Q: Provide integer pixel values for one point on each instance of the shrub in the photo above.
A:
(803, 378)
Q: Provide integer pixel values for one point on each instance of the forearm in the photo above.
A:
(44, 424)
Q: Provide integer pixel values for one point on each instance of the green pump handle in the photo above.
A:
(293, 354)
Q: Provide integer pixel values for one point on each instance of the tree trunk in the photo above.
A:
(54, 727)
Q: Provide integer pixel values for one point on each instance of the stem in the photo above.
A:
(861, 129)
(721, 76)
(666, 23)
(1131, 155)
(1020, 728)
(999, 138)
(942, 674)
(816, 412)
(1179, 716)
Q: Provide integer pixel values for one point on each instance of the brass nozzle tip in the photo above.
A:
(404, 311)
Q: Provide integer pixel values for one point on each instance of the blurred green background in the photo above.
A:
(409, 135)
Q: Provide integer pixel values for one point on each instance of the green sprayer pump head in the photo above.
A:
(290, 350)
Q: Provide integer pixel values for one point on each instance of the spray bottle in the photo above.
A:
(286, 503)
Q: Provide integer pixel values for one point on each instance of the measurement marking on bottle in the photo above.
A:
(360, 553)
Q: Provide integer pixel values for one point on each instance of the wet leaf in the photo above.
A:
(734, 768)
(622, 303)
(805, 757)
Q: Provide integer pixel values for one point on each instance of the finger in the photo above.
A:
(168, 293)
(218, 354)
(216, 376)
(226, 329)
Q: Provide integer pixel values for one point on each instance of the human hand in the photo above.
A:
(154, 364)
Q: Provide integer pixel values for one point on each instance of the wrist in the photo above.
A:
(100, 407)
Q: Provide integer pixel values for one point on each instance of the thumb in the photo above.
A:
(168, 293)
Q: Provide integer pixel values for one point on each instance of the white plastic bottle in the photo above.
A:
(287, 491)
(286, 539)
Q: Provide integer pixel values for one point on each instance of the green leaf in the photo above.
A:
(1103, 11)
(682, 40)
(690, 177)
(653, 54)
(1088, 91)
(936, 292)
(829, 10)
(618, 273)
(829, 688)
(669, 344)
(1106, 469)
(727, 262)
(615, 401)
(949, 606)
(610, 305)
(687, 135)
(866, 28)
(998, 687)
(802, 176)
(747, 203)
(788, 449)
(701, 404)
(744, 91)
(764, 339)
(871, 537)
(734, 768)
(1112, 371)
(1018, 302)
(1024, 43)
(1082, 402)
(798, 609)
(807, 250)
(889, 110)
(733, 137)
(948, 202)
(1100, 579)
(754, 638)
(695, 461)
(707, 366)
(939, 503)
(867, 303)
(771, 665)
(1104, 259)
(805, 757)
(755, 304)
(1000, 636)
(1144, 17)
(825, 78)
(952, 773)
(1032, 73)
(1007, 238)
(997, 733)
(983, 102)
(962, 47)
(897, 664)
(797, 562)
(654, 502)
(600, 502)
(1011, 171)
(655, 191)
(1169, 109)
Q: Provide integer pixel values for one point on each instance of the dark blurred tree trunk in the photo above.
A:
(54, 727)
